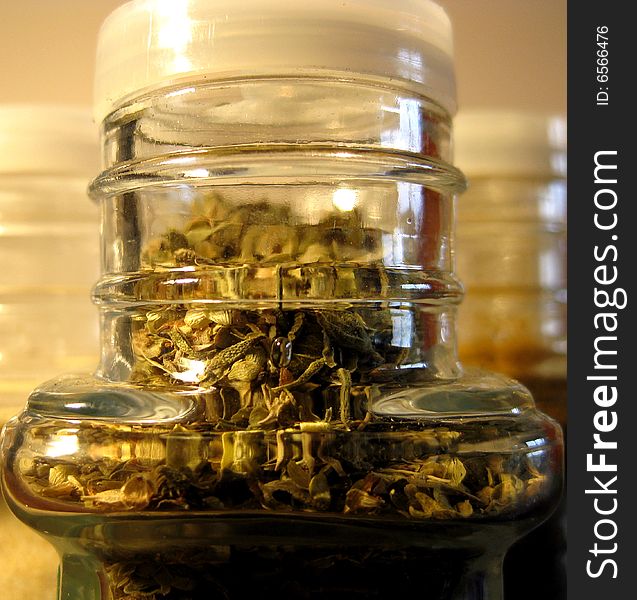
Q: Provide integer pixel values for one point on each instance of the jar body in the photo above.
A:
(279, 393)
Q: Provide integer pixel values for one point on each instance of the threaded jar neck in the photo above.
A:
(277, 194)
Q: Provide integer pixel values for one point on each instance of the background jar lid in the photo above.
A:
(510, 143)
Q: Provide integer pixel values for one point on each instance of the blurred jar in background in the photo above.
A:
(49, 260)
(511, 249)
(48, 247)
(511, 256)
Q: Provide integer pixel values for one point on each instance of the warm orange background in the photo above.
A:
(509, 53)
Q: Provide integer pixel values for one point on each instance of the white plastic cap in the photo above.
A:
(149, 44)
(501, 143)
(53, 139)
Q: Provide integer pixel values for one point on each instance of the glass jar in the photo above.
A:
(512, 249)
(279, 409)
(50, 261)
(511, 255)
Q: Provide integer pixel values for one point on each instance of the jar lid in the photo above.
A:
(36, 138)
(148, 44)
(510, 143)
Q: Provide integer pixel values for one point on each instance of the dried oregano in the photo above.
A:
(282, 396)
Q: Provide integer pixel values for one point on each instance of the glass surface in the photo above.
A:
(279, 408)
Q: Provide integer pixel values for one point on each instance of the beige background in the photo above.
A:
(509, 53)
